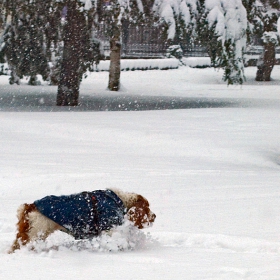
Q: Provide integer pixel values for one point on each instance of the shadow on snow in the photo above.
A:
(42, 102)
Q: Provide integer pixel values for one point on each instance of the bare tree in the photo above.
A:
(268, 14)
(262, 16)
(112, 15)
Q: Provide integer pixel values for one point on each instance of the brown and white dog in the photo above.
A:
(33, 225)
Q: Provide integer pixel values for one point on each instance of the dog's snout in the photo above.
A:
(153, 216)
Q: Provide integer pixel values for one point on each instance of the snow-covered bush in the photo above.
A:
(140, 64)
(174, 51)
(270, 37)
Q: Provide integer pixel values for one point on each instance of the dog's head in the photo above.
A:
(140, 214)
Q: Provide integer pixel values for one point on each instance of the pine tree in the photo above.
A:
(37, 32)
(206, 34)
(23, 41)
(3, 13)
(2, 26)
(223, 22)
(79, 50)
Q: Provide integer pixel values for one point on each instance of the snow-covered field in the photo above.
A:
(211, 172)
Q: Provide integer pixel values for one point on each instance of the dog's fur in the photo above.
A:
(33, 225)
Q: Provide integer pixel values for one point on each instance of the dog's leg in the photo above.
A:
(23, 226)
(41, 226)
(32, 225)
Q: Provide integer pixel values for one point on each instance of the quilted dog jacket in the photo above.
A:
(84, 214)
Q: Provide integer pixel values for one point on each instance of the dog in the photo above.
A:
(84, 215)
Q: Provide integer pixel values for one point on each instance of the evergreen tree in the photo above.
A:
(3, 13)
(36, 33)
(229, 20)
(179, 16)
(220, 25)
(2, 26)
(79, 50)
(23, 42)
(26, 46)
(207, 35)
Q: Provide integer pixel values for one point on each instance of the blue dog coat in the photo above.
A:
(84, 214)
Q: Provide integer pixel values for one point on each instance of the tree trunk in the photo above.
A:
(115, 63)
(70, 76)
(266, 62)
(33, 80)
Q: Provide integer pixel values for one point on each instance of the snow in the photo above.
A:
(271, 37)
(168, 9)
(210, 172)
(140, 64)
(87, 4)
(229, 20)
(197, 61)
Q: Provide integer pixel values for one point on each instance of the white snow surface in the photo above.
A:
(140, 64)
(211, 174)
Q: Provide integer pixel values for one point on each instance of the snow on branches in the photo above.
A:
(230, 21)
(87, 4)
(224, 19)
(170, 10)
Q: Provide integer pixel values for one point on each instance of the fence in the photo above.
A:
(137, 41)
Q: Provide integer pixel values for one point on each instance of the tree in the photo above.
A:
(79, 51)
(35, 30)
(224, 21)
(113, 13)
(23, 42)
(207, 35)
(263, 16)
(2, 13)
(74, 39)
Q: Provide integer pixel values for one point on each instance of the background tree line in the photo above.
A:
(54, 38)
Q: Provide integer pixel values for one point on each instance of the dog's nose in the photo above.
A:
(153, 216)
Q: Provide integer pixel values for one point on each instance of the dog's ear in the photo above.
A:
(140, 213)
(138, 216)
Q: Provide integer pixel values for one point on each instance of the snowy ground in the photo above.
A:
(211, 172)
